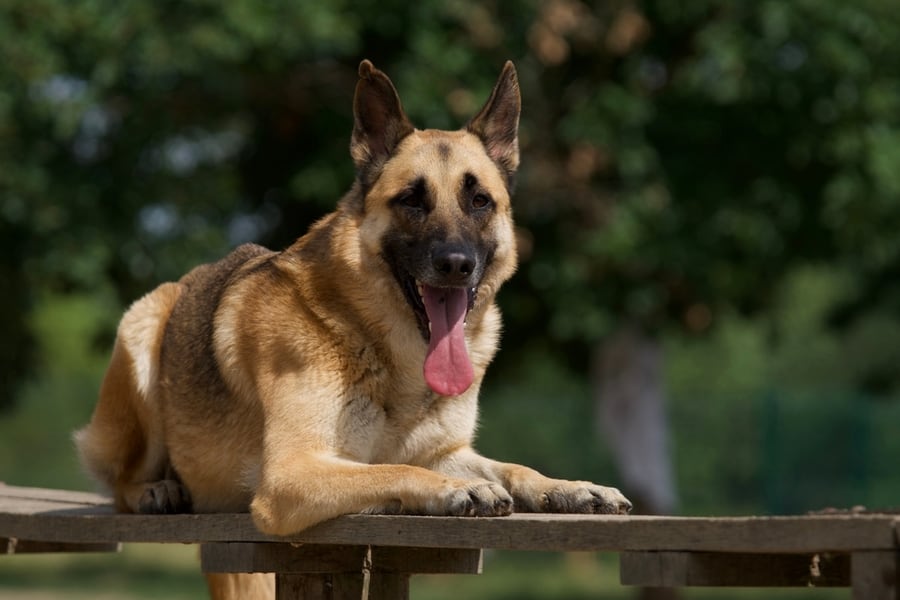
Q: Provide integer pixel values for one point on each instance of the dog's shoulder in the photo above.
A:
(215, 276)
(190, 326)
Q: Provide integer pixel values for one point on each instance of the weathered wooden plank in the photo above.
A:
(52, 495)
(679, 569)
(875, 575)
(268, 557)
(32, 505)
(60, 520)
(516, 532)
(17, 546)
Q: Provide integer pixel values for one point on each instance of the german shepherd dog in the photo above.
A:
(340, 375)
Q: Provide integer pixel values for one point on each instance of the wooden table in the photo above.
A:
(373, 556)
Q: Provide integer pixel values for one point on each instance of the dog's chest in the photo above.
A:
(389, 415)
(399, 431)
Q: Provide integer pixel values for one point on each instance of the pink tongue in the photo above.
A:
(448, 370)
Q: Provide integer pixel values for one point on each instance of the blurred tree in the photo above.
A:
(137, 139)
(703, 150)
(685, 157)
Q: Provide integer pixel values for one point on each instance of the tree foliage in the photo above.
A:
(679, 158)
(711, 150)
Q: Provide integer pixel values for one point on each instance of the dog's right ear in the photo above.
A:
(497, 124)
(379, 123)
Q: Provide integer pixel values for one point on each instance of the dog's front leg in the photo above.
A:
(300, 490)
(532, 491)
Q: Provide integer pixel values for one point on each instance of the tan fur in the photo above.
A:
(290, 384)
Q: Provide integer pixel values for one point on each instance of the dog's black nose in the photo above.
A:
(453, 262)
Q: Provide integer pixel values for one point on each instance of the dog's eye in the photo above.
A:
(480, 201)
(411, 200)
(415, 196)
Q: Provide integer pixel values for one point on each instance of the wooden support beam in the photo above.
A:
(677, 569)
(875, 575)
(268, 557)
(17, 546)
(280, 558)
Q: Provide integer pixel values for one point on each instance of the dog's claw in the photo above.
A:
(167, 496)
(477, 499)
(584, 497)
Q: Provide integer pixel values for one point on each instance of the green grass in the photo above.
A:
(139, 571)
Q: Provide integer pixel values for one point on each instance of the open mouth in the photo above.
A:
(414, 292)
(441, 316)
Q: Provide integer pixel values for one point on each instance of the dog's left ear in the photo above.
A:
(497, 124)
(379, 123)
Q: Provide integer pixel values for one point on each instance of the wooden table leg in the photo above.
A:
(385, 586)
(381, 586)
(874, 575)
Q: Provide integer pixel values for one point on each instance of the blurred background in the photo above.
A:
(707, 311)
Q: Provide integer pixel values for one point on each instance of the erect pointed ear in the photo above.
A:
(497, 124)
(379, 122)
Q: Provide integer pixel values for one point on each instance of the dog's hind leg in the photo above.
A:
(123, 446)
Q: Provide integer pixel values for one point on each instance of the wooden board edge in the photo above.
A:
(729, 569)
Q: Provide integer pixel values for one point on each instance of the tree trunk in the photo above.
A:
(628, 386)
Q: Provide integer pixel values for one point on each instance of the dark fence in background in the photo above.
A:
(787, 452)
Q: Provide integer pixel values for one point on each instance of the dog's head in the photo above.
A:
(436, 211)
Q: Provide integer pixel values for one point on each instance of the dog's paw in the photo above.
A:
(473, 499)
(167, 496)
(584, 497)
